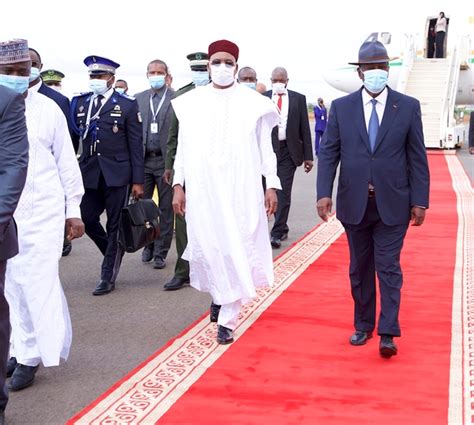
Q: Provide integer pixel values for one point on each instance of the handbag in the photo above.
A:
(139, 225)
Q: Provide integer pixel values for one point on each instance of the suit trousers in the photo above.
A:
(4, 337)
(181, 269)
(286, 169)
(94, 202)
(375, 248)
(154, 169)
(439, 42)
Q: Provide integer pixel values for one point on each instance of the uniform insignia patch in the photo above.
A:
(81, 108)
(117, 108)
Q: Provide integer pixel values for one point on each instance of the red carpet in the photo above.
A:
(294, 365)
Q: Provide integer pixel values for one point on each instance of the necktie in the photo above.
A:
(280, 102)
(373, 125)
(97, 104)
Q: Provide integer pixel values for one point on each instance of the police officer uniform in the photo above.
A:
(198, 63)
(111, 160)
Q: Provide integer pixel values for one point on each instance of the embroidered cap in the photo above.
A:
(99, 65)
(224, 46)
(14, 51)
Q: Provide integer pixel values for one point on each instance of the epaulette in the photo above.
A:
(126, 96)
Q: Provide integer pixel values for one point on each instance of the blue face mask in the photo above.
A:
(200, 78)
(15, 82)
(98, 86)
(156, 81)
(375, 80)
(120, 90)
(252, 86)
(34, 74)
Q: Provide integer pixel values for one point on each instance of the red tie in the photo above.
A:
(280, 102)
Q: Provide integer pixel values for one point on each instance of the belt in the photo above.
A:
(153, 154)
(371, 193)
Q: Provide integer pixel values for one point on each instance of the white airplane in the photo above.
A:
(439, 84)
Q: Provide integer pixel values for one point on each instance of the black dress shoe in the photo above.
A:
(67, 248)
(276, 243)
(387, 347)
(23, 377)
(147, 255)
(2, 418)
(104, 287)
(214, 312)
(360, 337)
(159, 263)
(175, 283)
(224, 335)
(11, 365)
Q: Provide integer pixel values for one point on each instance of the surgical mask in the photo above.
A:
(375, 80)
(252, 86)
(156, 81)
(15, 82)
(222, 75)
(34, 74)
(98, 86)
(200, 78)
(279, 88)
(120, 90)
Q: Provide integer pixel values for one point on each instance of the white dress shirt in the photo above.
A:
(379, 107)
(283, 114)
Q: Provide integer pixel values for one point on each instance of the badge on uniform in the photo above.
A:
(115, 127)
(81, 108)
(154, 128)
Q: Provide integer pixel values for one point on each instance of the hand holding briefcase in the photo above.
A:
(139, 225)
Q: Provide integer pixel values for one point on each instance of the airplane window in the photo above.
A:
(385, 37)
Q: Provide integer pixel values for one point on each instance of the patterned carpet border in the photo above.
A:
(148, 392)
(461, 390)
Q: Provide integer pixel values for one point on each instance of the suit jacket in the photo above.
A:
(113, 146)
(471, 130)
(63, 102)
(164, 118)
(13, 166)
(398, 167)
(298, 133)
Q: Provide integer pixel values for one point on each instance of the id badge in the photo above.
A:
(154, 128)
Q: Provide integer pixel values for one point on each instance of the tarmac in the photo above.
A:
(113, 334)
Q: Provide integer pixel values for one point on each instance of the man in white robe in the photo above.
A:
(224, 149)
(41, 325)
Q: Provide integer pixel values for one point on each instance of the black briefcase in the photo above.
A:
(139, 225)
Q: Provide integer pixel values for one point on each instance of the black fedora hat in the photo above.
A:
(372, 52)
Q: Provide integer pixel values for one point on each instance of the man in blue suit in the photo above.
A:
(13, 167)
(376, 136)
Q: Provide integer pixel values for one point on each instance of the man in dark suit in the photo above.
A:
(13, 167)
(292, 143)
(155, 107)
(321, 119)
(383, 183)
(109, 125)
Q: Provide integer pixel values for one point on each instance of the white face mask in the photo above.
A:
(98, 86)
(222, 75)
(278, 88)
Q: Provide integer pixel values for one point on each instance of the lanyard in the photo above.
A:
(89, 118)
(155, 114)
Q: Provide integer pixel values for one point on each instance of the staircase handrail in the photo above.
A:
(409, 56)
